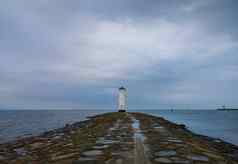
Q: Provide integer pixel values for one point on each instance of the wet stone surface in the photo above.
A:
(21, 151)
(198, 158)
(119, 138)
(101, 147)
(175, 141)
(166, 153)
(163, 160)
(92, 153)
(180, 160)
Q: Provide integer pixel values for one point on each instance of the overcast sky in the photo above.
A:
(74, 54)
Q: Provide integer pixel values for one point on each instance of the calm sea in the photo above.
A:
(22, 123)
(217, 124)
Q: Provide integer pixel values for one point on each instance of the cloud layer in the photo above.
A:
(60, 54)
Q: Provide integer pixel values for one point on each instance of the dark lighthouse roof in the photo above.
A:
(122, 88)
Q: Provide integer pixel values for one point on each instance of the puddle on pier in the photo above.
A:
(136, 124)
(138, 134)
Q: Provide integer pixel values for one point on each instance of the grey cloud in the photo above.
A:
(74, 54)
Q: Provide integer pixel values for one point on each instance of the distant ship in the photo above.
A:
(224, 108)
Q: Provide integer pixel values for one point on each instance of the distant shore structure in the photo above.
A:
(224, 108)
(122, 99)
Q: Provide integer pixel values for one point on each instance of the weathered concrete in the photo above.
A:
(119, 138)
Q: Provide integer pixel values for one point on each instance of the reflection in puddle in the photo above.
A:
(138, 134)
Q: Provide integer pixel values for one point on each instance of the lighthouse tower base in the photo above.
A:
(121, 110)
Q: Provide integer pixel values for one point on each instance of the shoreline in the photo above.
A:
(224, 133)
(29, 136)
(213, 132)
(96, 139)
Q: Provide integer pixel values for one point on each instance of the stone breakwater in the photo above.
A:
(119, 138)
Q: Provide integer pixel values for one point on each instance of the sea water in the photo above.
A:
(23, 123)
(213, 123)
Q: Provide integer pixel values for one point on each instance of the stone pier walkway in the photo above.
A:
(140, 150)
(119, 138)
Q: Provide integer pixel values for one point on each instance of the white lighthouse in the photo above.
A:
(122, 99)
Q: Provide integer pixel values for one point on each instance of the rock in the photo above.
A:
(86, 160)
(223, 162)
(212, 155)
(68, 145)
(161, 130)
(106, 142)
(36, 145)
(116, 153)
(164, 142)
(198, 158)
(179, 160)
(183, 126)
(119, 161)
(101, 147)
(63, 156)
(57, 137)
(125, 148)
(93, 153)
(217, 140)
(158, 127)
(166, 153)
(1, 157)
(21, 151)
(114, 161)
(163, 160)
(112, 128)
(175, 141)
